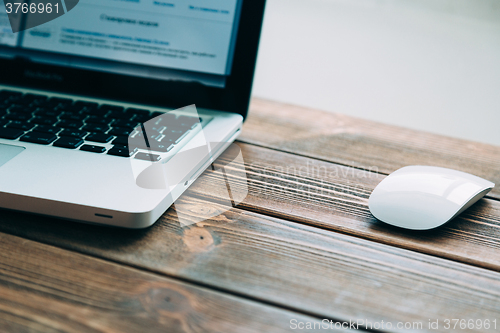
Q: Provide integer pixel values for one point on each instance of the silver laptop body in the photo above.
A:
(88, 182)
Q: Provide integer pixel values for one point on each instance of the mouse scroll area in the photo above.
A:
(8, 152)
(423, 197)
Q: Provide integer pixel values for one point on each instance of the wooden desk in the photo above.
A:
(301, 248)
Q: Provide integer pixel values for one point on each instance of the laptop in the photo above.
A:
(97, 99)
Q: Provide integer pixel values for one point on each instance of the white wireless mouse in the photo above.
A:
(425, 197)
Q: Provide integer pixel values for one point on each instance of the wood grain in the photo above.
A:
(240, 270)
(286, 264)
(364, 144)
(335, 197)
(46, 289)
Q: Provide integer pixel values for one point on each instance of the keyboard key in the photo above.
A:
(96, 128)
(40, 138)
(18, 116)
(20, 125)
(121, 151)
(41, 108)
(125, 124)
(93, 149)
(118, 115)
(131, 142)
(165, 118)
(48, 104)
(60, 106)
(161, 147)
(135, 111)
(47, 113)
(95, 112)
(60, 101)
(24, 104)
(73, 117)
(47, 129)
(142, 118)
(189, 122)
(69, 124)
(99, 137)
(21, 109)
(148, 157)
(179, 127)
(73, 133)
(99, 120)
(44, 121)
(71, 108)
(21, 101)
(10, 133)
(154, 136)
(133, 150)
(160, 123)
(88, 105)
(68, 142)
(162, 142)
(107, 108)
(154, 127)
(35, 98)
(121, 140)
(120, 131)
(4, 122)
(174, 136)
(156, 142)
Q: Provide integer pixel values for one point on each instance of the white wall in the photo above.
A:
(432, 65)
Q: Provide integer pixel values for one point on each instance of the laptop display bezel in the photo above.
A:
(235, 97)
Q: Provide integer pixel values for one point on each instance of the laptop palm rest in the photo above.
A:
(8, 152)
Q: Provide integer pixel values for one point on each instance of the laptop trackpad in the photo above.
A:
(8, 152)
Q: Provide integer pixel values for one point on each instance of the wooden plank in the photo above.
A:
(302, 268)
(364, 144)
(47, 289)
(335, 197)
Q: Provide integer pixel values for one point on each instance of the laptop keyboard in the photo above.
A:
(87, 126)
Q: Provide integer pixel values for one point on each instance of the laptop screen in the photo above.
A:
(161, 39)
